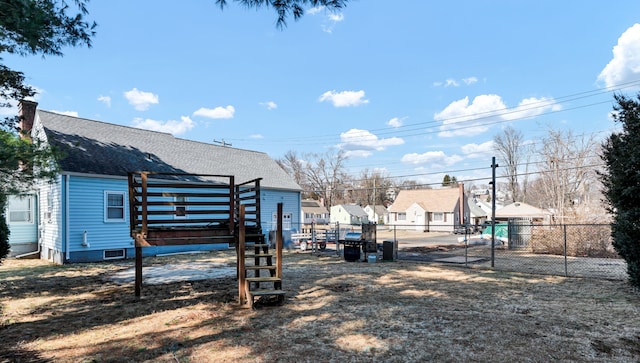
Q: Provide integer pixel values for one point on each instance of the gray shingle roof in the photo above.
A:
(354, 210)
(95, 147)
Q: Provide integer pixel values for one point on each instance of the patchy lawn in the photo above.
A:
(335, 311)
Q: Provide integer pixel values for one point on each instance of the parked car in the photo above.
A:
(463, 229)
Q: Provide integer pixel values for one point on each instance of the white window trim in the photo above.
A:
(106, 207)
(286, 220)
(31, 220)
(441, 214)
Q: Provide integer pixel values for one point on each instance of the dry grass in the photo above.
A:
(335, 311)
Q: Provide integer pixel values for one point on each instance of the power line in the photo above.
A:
(416, 129)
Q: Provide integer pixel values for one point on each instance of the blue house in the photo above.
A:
(84, 215)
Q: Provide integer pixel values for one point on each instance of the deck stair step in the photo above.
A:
(253, 255)
(264, 279)
(266, 267)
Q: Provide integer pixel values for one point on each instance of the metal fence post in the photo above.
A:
(337, 238)
(565, 249)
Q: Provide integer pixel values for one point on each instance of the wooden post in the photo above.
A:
(242, 296)
(138, 283)
(279, 243)
(144, 228)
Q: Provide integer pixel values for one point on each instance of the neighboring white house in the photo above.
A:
(429, 209)
(379, 216)
(314, 212)
(348, 214)
(477, 215)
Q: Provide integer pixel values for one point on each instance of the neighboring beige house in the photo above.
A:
(429, 209)
(523, 210)
(348, 214)
(379, 216)
(314, 212)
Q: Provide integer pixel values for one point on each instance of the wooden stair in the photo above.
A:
(261, 275)
(259, 269)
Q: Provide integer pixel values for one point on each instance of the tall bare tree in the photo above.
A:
(322, 176)
(294, 166)
(508, 146)
(371, 188)
(567, 172)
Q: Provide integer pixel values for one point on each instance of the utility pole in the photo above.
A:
(374, 200)
(223, 143)
(493, 210)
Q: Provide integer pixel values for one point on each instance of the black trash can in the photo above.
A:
(388, 250)
(351, 253)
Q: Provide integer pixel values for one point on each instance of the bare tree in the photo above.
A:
(325, 176)
(567, 176)
(508, 145)
(371, 188)
(292, 164)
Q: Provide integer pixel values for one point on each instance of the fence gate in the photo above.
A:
(519, 232)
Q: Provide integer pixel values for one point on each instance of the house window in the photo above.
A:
(286, 220)
(49, 214)
(113, 206)
(438, 217)
(180, 210)
(21, 210)
(402, 216)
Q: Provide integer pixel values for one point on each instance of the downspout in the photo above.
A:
(66, 217)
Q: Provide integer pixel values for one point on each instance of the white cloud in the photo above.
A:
(105, 99)
(470, 80)
(270, 105)
(450, 82)
(68, 113)
(362, 143)
(216, 113)
(173, 127)
(461, 118)
(314, 11)
(395, 122)
(140, 100)
(477, 151)
(336, 18)
(344, 98)
(256, 136)
(531, 107)
(436, 158)
(625, 65)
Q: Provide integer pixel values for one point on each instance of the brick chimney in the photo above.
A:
(26, 115)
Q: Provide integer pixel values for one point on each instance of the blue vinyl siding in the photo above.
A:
(87, 213)
(269, 205)
(86, 204)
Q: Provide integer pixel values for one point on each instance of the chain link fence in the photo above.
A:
(577, 250)
(572, 250)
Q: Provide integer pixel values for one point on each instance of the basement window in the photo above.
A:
(114, 254)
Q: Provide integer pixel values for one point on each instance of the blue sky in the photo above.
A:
(415, 89)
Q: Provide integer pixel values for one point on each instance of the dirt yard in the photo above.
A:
(335, 311)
